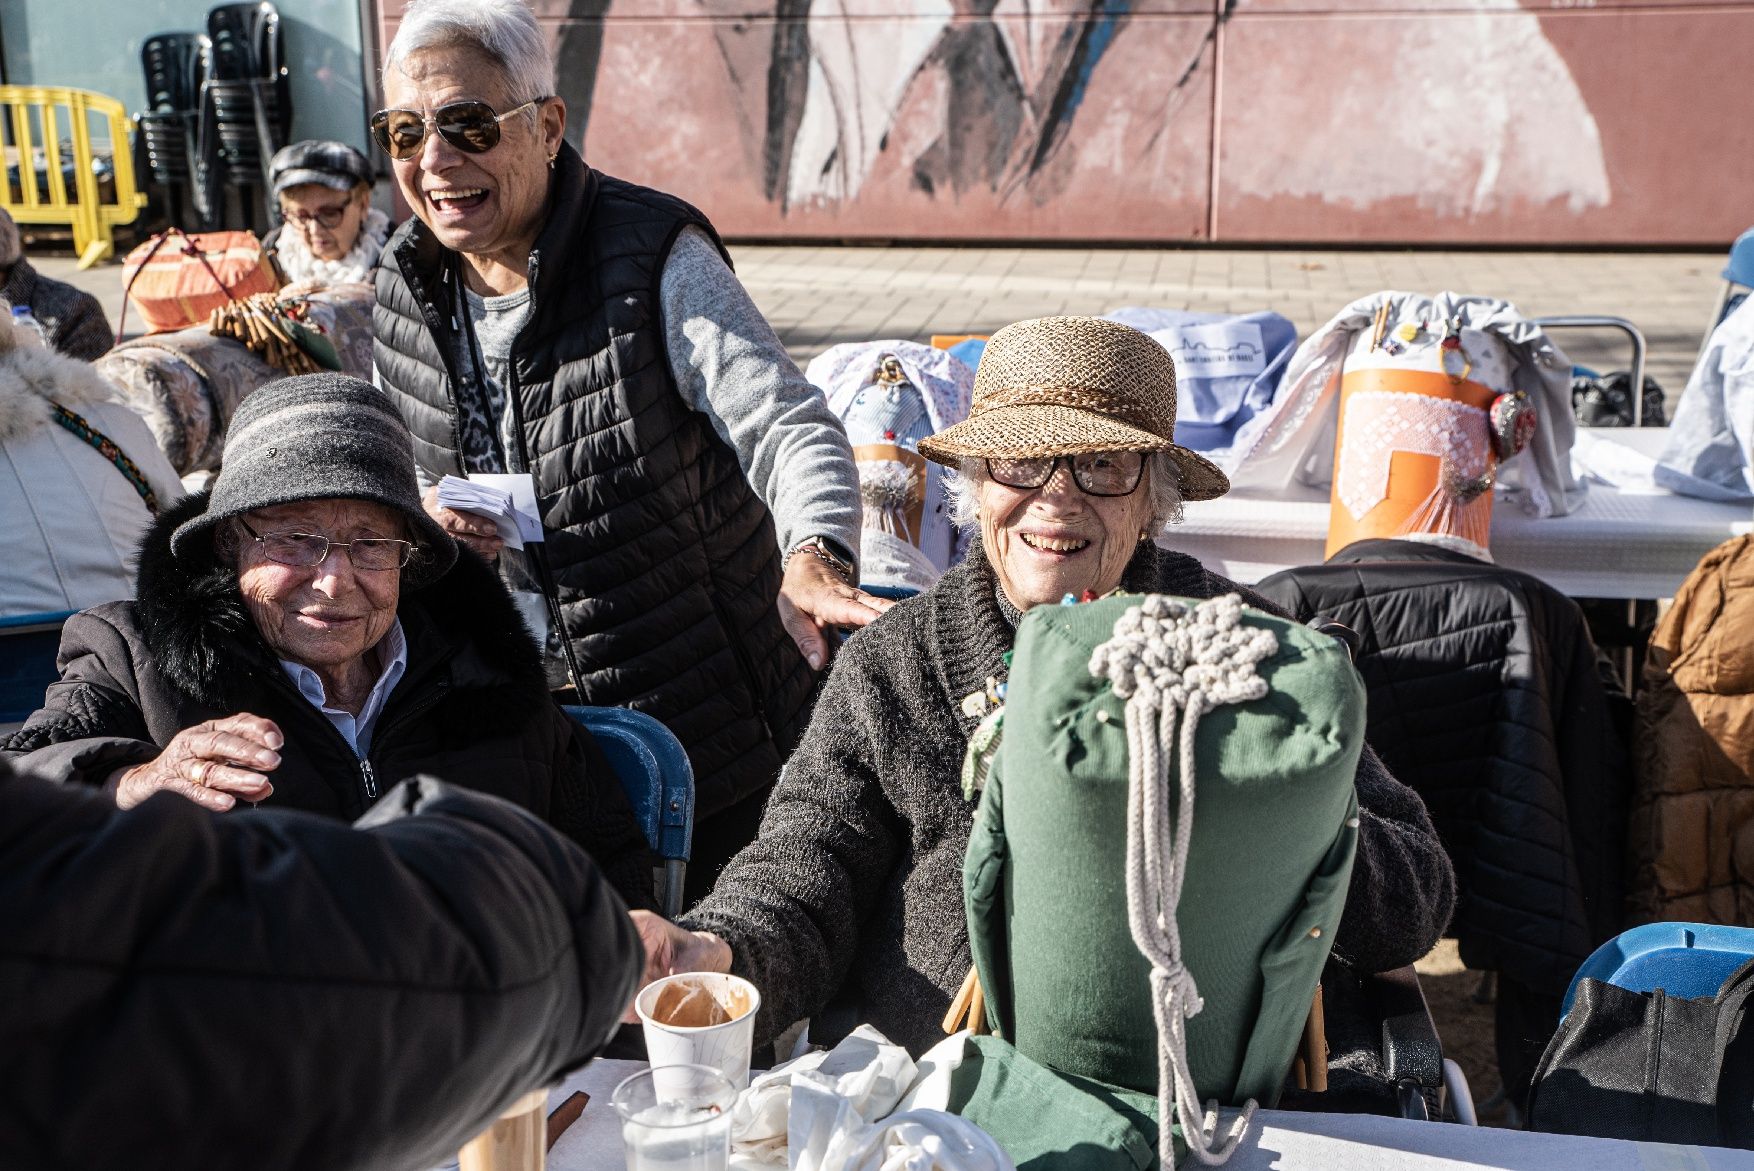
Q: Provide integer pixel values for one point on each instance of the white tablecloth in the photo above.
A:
(1280, 1141)
(1616, 545)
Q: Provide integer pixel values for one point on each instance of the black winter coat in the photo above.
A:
(1485, 698)
(283, 992)
(472, 708)
(661, 555)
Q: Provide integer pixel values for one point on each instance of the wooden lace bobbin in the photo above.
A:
(517, 1140)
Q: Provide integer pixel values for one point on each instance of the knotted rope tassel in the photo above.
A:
(1166, 658)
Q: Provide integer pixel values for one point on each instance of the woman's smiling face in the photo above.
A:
(1047, 542)
(482, 205)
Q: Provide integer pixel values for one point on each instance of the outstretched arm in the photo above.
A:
(283, 991)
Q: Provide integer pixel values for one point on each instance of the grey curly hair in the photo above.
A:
(505, 30)
(1162, 481)
(11, 248)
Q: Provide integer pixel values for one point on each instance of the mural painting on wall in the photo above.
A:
(1088, 118)
(847, 113)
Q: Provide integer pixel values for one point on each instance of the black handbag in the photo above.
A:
(1651, 1067)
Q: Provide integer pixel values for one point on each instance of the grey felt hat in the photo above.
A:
(320, 437)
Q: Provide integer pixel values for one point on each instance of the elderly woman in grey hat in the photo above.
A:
(304, 635)
(329, 232)
(1069, 471)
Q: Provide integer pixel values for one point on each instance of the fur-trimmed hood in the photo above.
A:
(203, 642)
(31, 378)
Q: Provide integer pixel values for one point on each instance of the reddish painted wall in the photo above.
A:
(1382, 121)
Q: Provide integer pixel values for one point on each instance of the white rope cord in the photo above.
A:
(1167, 658)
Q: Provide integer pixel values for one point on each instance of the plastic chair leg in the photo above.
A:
(1457, 1094)
(674, 871)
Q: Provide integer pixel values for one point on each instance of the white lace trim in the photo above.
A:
(1379, 423)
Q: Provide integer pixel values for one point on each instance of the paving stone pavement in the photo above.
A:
(816, 296)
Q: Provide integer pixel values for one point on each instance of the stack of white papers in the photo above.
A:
(508, 500)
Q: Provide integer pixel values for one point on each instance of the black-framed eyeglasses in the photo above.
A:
(329, 217)
(1099, 473)
(471, 127)
(305, 550)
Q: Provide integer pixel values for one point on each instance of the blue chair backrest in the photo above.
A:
(1740, 269)
(28, 643)
(655, 774)
(1688, 960)
(969, 352)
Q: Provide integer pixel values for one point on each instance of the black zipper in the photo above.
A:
(368, 779)
(368, 776)
(537, 550)
(435, 323)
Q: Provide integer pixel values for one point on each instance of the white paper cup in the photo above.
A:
(724, 1047)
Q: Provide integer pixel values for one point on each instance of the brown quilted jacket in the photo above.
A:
(1692, 832)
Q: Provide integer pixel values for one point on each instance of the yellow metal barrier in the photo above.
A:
(40, 124)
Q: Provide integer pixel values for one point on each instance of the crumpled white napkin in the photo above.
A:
(828, 1135)
(816, 1113)
(866, 1069)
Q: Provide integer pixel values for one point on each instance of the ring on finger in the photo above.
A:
(198, 773)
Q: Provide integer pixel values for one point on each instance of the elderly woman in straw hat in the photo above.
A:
(1070, 471)
(304, 636)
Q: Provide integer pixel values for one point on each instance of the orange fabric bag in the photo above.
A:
(176, 280)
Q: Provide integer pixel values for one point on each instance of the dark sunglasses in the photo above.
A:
(1099, 473)
(471, 127)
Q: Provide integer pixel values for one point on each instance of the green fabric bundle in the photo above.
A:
(1269, 859)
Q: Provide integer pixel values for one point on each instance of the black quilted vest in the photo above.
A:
(663, 558)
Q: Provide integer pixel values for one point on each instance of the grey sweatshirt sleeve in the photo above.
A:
(730, 366)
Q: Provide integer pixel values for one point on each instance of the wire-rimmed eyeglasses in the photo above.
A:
(306, 550)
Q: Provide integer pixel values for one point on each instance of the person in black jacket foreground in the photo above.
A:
(281, 991)
(305, 637)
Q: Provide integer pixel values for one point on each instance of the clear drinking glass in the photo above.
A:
(676, 1118)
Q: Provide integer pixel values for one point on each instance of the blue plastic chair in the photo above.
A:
(654, 772)
(969, 352)
(28, 643)
(1686, 960)
(893, 593)
(1738, 274)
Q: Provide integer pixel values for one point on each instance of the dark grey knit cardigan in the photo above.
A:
(856, 875)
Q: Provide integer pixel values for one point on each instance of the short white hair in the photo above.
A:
(1162, 481)
(505, 30)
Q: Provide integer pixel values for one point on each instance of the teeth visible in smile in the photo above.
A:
(453, 194)
(1053, 544)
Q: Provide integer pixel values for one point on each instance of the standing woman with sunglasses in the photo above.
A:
(329, 232)
(304, 637)
(1069, 472)
(537, 316)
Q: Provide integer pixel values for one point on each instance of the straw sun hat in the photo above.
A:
(1065, 385)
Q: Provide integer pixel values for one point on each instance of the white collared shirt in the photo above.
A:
(357, 730)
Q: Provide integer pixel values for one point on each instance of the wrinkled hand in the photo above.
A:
(671, 949)
(814, 598)
(474, 530)
(212, 764)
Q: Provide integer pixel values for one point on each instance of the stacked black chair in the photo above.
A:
(176, 66)
(248, 99)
